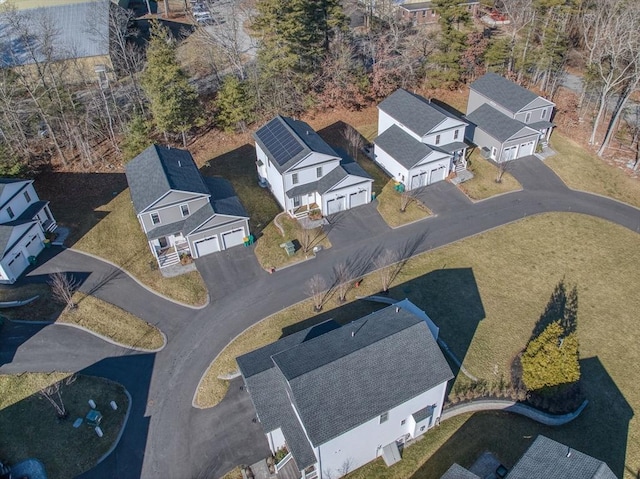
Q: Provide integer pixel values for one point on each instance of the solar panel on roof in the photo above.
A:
(279, 141)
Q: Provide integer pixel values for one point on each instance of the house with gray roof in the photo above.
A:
(24, 221)
(304, 173)
(180, 211)
(506, 120)
(548, 459)
(419, 142)
(336, 397)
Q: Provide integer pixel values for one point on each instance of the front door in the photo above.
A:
(163, 242)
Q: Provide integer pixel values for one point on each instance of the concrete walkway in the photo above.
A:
(165, 435)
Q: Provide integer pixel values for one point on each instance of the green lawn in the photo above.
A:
(269, 252)
(483, 184)
(119, 238)
(389, 207)
(486, 294)
(583, 170)
(29, 426)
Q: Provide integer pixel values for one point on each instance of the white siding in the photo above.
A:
(18, 203)
(390, 165)
(365, 442)
(345, 192)
(385, 121)
(20, 248)
(307, 172)
(273, 177)
(276, 440)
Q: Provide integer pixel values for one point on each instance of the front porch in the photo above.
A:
(168, 250)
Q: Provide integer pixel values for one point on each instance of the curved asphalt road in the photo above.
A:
(165, 435)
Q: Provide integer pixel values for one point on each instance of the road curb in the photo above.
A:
(111, 341)
(124, 425)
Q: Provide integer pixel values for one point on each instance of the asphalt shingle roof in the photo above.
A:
(346, 168)
(5, 236)
(548, 459)
(350, 375)
(504, 92)
(456, 471)
(413, 111)
(286, 141)
(81, 30)
(495, 123)
(404, 148)
(223, 197)
(159, 169)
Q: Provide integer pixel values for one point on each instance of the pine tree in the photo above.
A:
(234, 104)
(551, 359)
(453, 41)
(173, 101)
(136, 138)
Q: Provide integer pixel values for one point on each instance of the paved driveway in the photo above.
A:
(443, 197)
(533, 174)
(355, 224)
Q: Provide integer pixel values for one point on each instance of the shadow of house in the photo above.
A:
(75, 198)
(601, 430)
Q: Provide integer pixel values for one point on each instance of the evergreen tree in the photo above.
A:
(453, 41)
(234, 104)
(136, 138)
(551, 359)
(172, 100)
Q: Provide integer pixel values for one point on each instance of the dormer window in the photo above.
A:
(437, 139)
(10, 212)
(27, 197)
(185, 210)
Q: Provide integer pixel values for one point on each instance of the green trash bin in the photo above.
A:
(32, 260)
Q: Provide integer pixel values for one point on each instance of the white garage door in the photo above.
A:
(357, 199)
(17, 265)
(207, 246)
(509, 153)
(526, 149)
(419, 180)
(437, 175)
(34, 246)
(233, 238)
(335, 206)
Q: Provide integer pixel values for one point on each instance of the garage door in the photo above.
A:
(34, 246)
(437, 175)
(509, 153)
(357, 199)
(207, 246)
(334, 206)
(419, 180)
(233, 238)
(17, 265)
(526, 149)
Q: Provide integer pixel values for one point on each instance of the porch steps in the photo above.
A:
(168, 259)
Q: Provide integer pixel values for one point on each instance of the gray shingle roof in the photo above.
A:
(495, 123)
(5, 235)
(286, 141)
(504, 92)
(456, 471)
(339, 380)
(159, 169)
(81, 30)
(413, 111)
(404, 148)
(224, 199)
(547, 459)
(414, 6)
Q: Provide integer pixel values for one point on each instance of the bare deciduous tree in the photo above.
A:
(53, 394)
(343, 276)
(354, 138)
(385, 265)
(316, 288)
(406, 198)
(503, 167)
(63, 286)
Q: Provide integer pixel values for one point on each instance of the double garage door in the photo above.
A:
(518, 151)
(423, 178)
(340, 203)
(211, 244)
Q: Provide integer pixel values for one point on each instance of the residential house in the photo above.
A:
(419, 142)
(24, 220)
(304, 173)
(547, 459)
(420, 13)
(181, 212)
(337, 397)
(507, 121)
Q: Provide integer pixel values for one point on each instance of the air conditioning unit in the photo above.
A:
(485, 152)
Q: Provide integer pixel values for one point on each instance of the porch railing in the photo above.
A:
(283, 462)
(168, 259)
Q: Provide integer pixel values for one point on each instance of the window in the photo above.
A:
(27, 197)
(455, 134)
(527, 117)
(319, 172)
(185, 210)
(10, 212)
(384, 417)
(543, 114)
(294, 178)
(437, 139)
(155, 218)
(296, 201)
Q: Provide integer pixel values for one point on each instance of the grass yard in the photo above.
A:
(119, 238)
(269, 252)
(486, 294)
(583, 170)
(389, 207)
(29, 426)
(483, 184)
(114, 323)
(42, 309)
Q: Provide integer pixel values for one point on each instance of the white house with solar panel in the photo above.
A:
(418, 143)
(337, 397)
(304, 173)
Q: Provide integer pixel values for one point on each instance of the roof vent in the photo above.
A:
(353, 333)
(307, 132)
(180, 163)
(397, 309)
(568, 452)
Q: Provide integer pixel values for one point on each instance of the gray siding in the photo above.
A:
(175, 197)
(476, 100)
(171, 214)
(535, 115)
(481, 139)
(219, 230)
